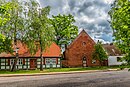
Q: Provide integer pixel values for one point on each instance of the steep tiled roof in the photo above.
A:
(52, 51)
(112, 50)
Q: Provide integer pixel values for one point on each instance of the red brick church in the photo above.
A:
(79, 52)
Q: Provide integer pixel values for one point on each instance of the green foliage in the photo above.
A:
(99, 52)
(5, 44)
(4, 15)
(14, 26)
(40, 32)
(66, 31)
(120, 23)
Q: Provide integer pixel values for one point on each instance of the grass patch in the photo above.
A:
(19, 72)
(62, 70)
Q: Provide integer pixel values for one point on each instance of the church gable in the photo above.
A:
(83, 38)
(79, 52)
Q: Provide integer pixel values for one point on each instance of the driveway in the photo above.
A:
(96, 79)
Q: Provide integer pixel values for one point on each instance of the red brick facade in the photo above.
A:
(79, 52)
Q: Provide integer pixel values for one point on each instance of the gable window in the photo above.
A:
(84, 43)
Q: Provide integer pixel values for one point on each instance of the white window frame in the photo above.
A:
(49, 61)
(19, 62)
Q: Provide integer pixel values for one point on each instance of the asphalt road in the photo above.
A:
(96, 79)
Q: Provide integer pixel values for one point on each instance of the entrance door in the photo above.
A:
(32, 63)
(84, 62)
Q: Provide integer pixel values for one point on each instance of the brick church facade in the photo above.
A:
(79, 52)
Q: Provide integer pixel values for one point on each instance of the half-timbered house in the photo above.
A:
(51, 58)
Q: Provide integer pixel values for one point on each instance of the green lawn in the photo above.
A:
(61, 70)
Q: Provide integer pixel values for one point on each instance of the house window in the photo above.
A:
(54, 61)
(19, 62)
(84, 43)
(119, 59)
(50, 60)
(12, 61)
(47, 61)
(93, 61)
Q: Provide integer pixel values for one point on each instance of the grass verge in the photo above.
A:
(61, 70)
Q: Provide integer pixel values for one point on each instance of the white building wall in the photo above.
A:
(112, 60)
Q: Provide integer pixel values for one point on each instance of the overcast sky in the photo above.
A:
(91, 15)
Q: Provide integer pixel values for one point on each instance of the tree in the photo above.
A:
(13, 28)
(120, 23)
(5, 43)
(40, 33)
(99, 53)
(65, 29)
(4, 15)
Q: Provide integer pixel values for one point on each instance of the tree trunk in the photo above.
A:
(41, 50)
(15, 63)
(16, 59)
(100, 63)
(15, 43)
(41, 64)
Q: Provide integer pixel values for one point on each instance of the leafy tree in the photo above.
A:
(13, 28)
(65, 29)
(99, 53)
(40, 33)
(120, 23)
(5, 43)
(4, 15)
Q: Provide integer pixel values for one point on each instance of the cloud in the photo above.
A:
(91, 15)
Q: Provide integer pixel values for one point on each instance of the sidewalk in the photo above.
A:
(55, 73)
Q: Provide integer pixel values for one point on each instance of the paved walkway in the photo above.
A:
(54, 73)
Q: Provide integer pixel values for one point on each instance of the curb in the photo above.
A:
(56, 73)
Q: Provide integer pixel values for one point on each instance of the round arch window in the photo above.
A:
(84, 43)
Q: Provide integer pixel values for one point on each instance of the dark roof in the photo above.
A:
(112, 50)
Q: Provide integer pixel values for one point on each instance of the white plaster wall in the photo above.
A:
(58, 66)
(2, 67)
(54, 66)
(112, 60)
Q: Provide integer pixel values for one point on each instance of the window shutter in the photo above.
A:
(23, 61)
(8, 61)
(56, 60)
(44, 59)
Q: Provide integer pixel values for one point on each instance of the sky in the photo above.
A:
(90, 15)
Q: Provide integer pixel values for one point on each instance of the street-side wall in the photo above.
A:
(112, 60)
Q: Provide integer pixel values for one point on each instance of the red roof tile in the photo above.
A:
(52, 51)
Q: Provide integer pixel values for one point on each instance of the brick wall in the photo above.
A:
(82, 46)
